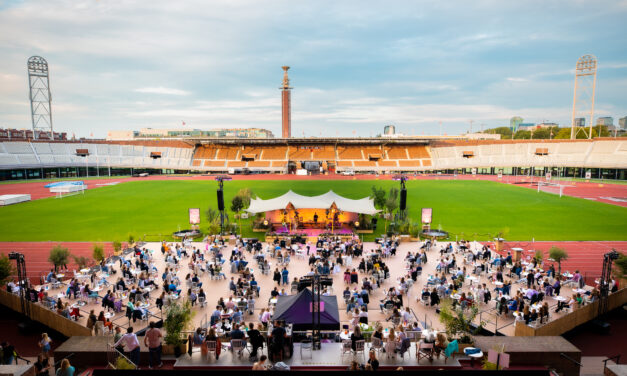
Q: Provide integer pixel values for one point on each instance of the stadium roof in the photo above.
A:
(324, 201)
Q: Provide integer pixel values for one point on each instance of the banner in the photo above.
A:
(194, 216)
(588, 174)
(474, 171)
(426, 215)
(548, 175)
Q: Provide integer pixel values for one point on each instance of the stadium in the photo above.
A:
(231, 250)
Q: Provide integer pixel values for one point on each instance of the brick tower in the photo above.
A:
(286, 104)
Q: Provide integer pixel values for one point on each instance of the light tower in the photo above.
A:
(40, 98)
(286, 104)
(583, 98)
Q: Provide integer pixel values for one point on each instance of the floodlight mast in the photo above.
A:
(220, 179)
(40, 97)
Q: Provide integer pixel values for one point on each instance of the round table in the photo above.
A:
(474, 356)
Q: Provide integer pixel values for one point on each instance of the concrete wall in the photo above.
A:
(45, 316)
(572, 320)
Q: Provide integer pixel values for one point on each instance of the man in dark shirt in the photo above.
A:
(277, 339)
(236, 333)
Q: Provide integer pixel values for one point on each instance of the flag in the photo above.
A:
(183, 123)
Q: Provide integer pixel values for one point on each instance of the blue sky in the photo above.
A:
(356, 65)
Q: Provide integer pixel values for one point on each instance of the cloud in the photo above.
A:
(161, 90)
(517, 79)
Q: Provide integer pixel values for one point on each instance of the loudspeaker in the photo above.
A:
(220, 200)
(403, 199)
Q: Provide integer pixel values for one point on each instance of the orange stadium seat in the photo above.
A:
(273, 153)
(214, 163)
(299, 153)
(324, 153)
(426, 162)
(397, 152)
(226, 152)
(365, 163)
(344, 164)
(259, 164)
(388, 164)
(279, 164)
(235, 164)
(418, 152)
(349, 152)
(409, 163)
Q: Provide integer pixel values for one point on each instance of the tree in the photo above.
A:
(458, 321)
(98, 253)
(81, 261)
(237, 204)
(558, 254)
(6, 269)
(59, 256)
(539, 257)
(580, 132)
(117, 247)
(246, 194)
(211, 215)
(391, 203)
(505, 132)
(541, 134)
(378, 196)
(621, 265)
(522, 135)
(178, 318)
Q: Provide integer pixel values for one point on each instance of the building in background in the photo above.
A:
(389, 130)
(622, 122)
(27, 134)
(605, 120)
(515, 122)
(547, 125)
(526, 126)
(286, 105)
(150, 133)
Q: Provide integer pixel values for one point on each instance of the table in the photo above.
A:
(560, 298)
(567, 275)
(474, 356)
(85, 270)
(109, 315)
(498, 284)
(59, 276)
(273, 301)
(581, 291)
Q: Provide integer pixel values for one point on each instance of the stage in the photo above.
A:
(313, 232)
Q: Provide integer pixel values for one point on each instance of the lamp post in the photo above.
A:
(220, 179)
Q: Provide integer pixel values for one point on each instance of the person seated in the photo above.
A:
(441, 343)
(237, 333)
(356, 336)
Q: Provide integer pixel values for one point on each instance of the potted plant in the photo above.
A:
(117, 248)
(6, 269)
(178, 318)
(558, 255)
(98, 253)
(458, 323)
(81, 261)
(59, 256)
(539, 257)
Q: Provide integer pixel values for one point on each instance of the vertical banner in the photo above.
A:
(474, 171)
(426, 215)
(548, 175)
(194, 216)
(588, 174)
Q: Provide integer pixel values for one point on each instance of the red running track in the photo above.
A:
(36, 254)
(587, 257)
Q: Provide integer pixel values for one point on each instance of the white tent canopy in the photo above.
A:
(324, 201)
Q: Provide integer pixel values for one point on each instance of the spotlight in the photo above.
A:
(265, 223)
(356, 223)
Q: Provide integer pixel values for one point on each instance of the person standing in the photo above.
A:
(45, 344)
(153, 341)
(285, 275)
(131, 344)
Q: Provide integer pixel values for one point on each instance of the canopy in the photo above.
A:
(295, 310)
(324, 201)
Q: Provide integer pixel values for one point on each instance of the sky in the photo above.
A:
(356, 66)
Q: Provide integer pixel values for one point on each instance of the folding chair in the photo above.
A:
(390, 349)
(360, 348)
(238, 346)
(346, 348)
(424, 351)
(212, 347)
(376, 344)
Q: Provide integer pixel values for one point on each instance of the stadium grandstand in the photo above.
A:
(44, 159)
(41, 159)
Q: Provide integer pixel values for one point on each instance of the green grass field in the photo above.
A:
(470, 209)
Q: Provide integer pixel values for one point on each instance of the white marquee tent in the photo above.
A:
(324, 201)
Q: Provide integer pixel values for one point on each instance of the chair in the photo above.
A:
(212, 347)
(424, 351)
(346, 348)
(238, 346)
(306, 345)
(360, 348)
(201, 301)
(390, 349)
(388, 308)
(376, 344)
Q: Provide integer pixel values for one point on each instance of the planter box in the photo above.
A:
(404, 238)
(260, 230)
(364, 231)
(169, 349)
(411, 239)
